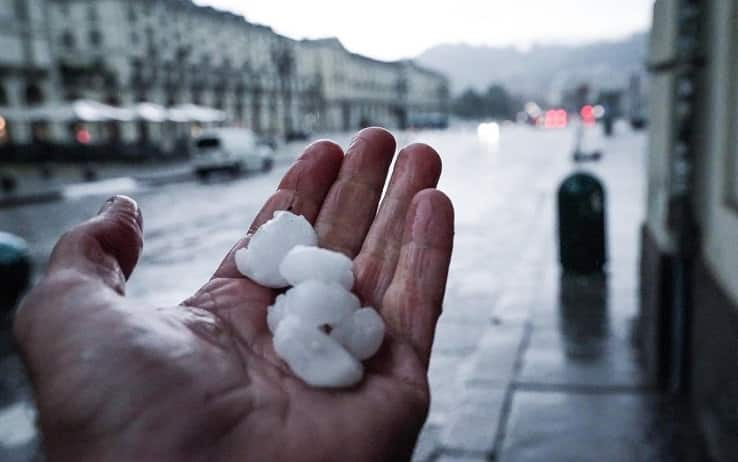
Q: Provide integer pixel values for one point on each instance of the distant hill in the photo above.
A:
(542, 71)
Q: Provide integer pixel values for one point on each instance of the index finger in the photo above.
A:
(301, 191)
(352, 202)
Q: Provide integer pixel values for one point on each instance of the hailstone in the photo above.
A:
(268, 246)
(304, 263)
(361, 333)
(316, 358)
(319, 327)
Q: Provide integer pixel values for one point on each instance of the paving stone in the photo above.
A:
(582, 336)
(461, 458)
(474, 424)
(513, 307)
(493, 363)
(444, 385)
(428, 444)
(458, 337)
(603, 427)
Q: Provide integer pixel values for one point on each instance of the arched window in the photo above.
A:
(96, 38)
(68, 40)
(113, 128)
(197, 94)
(33, 95)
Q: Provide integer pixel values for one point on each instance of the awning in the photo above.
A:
(82, 111)
(149, 112)
(93, 111)
(194, 113)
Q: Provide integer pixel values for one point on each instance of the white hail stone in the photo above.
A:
(276, 312)
(315, 357)
(268, 246)
(361, 333)
(315, 303)
(304, 263)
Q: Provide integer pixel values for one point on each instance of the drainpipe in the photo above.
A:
(681, 217)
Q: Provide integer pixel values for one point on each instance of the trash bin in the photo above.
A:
(582, 233)
(15, 270)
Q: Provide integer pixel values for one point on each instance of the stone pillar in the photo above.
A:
(267, 113)
(129, 130)
(20, 132)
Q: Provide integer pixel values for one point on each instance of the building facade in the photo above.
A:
(689, 265)
(27, 72)
(172, 52)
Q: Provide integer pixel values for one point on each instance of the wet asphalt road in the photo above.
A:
(504, 195)
(189, 226)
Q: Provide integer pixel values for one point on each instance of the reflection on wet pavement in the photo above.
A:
(583, 316)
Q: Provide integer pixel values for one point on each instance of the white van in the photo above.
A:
(229, 149)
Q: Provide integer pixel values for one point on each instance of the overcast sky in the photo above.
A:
(391, 29)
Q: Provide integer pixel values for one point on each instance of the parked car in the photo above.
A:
(229, 149)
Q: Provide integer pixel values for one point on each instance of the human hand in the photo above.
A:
(115, 380)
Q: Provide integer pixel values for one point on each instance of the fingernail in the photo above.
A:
(357, 143)
(107, 205)
(122, 204)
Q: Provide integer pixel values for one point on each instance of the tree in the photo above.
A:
(469, 105)
(496, 103)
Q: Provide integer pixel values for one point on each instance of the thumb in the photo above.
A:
(105, 248)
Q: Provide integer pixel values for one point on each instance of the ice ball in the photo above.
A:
(361, 333)
(304, 263)
(268, 246)
(315, 303)
(313, 356)
(276, 312)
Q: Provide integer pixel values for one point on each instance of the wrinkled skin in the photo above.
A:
(115, 380)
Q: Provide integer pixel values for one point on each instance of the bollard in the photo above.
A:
(15, 270)
(582, 233)
(609, 125)
(8, 183)
(89, 174)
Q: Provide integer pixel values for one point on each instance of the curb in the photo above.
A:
(180, 175)
(28, 199)
(69, 190)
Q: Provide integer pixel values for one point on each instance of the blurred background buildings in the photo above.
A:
(171, 53)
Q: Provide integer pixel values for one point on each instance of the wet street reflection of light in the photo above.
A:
(17, 425)
(489, 133)
(583, 316)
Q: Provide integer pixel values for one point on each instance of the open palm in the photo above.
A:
(115, 380)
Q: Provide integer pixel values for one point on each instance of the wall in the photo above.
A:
(718, 216)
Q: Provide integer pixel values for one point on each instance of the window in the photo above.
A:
(67, 40)
(92, 13)
(95, 37)
(132, 16)
(33, 95)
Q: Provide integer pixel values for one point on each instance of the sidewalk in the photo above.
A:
(69, 180)
(545, 368)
